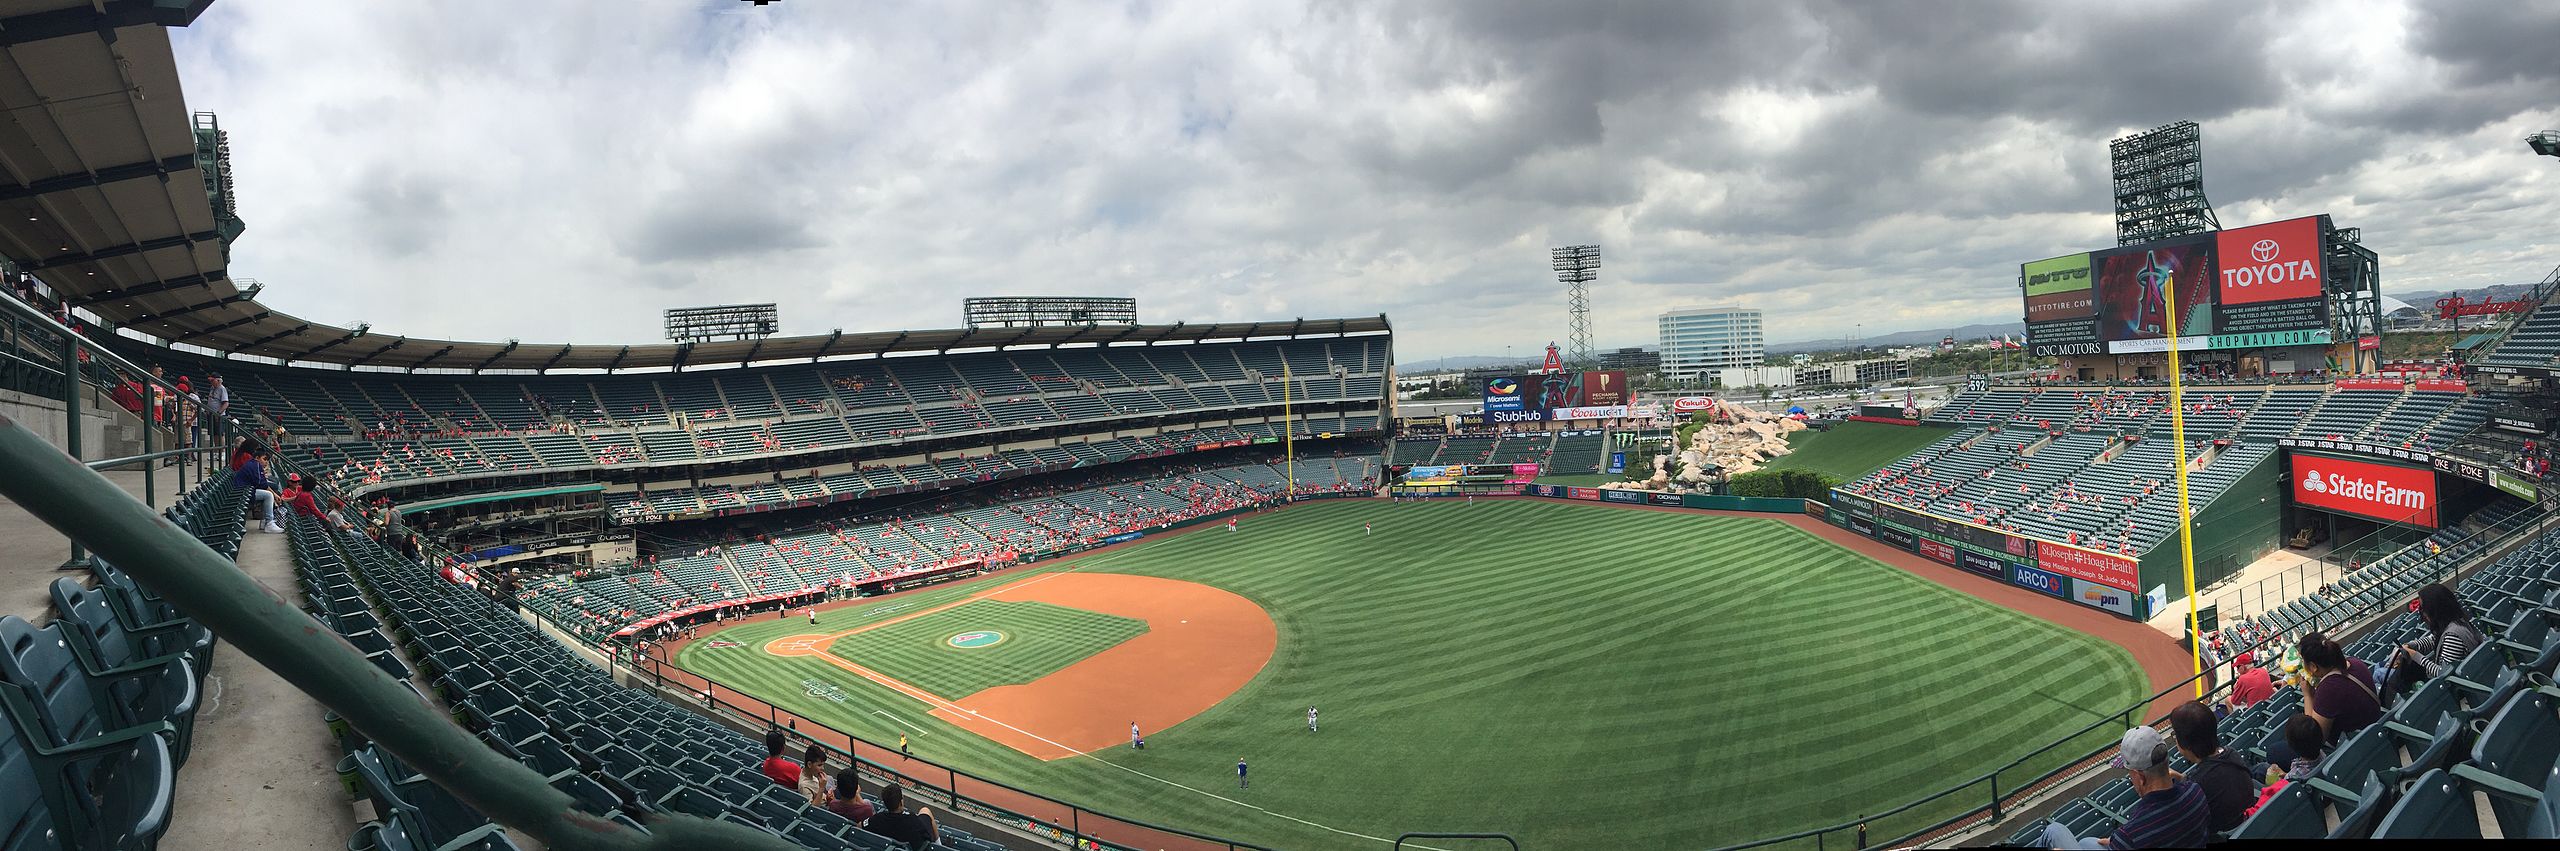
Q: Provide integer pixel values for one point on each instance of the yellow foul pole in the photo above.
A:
(1289, 430)
(2186, 529)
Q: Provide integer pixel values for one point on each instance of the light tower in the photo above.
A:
(1576, 266)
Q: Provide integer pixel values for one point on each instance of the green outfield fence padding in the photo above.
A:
(1720, 502)
(2240, 527)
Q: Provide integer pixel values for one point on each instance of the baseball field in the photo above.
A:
(1573, 675)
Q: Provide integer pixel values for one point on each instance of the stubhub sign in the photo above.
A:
(2381, 491)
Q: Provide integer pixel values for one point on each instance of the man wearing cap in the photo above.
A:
(297, 495)
(2170, 814)
(2251, 684)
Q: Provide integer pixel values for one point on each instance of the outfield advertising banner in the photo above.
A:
(2389, 384)
(2037, 580)
(2385, 492)
(1582, 493)
(1493, 417)
(1896, 536)
(1613, 495)
(1862, 526)
(2079, 563)
(2110, 598)
(1617, 462)
(2440, 385)
(1937, 551)
(1982, 564)
(1669, 499)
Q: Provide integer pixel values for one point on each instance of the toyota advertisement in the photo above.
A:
(2385, 492)
(2259, 286)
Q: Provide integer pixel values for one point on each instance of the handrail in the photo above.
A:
(84, 506)
(2530, 521)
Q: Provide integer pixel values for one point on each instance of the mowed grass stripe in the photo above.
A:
(1039, 639)
(1666, 680)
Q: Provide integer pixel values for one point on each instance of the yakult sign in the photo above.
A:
(2380, 491)
(2278, 261)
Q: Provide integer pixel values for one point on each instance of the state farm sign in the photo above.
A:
(2279, 261)
(2380, 491)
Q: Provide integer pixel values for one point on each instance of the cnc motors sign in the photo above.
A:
(2277, 261)
(2381, 491)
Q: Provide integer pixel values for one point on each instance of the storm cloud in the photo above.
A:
(563, 171)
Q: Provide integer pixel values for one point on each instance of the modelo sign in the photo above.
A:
(2278, 261)
(2383, 492)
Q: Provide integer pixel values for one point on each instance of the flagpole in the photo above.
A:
(2186, 519)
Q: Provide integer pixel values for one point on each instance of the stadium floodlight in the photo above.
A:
(1576, 266)
(735, 321)
(2546, 143)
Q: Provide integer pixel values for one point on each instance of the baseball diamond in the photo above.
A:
(1469, 653)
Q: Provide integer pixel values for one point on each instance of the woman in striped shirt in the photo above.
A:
(2450, 637)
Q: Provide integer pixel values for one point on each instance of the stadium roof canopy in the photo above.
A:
(102, 198)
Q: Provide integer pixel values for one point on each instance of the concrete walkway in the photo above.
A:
(264, 770)
(2270, 582)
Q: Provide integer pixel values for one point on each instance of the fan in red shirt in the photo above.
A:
(778, 768)
(2253, 683)
(297, 495)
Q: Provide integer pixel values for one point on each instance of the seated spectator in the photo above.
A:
(776, 767)
(2302, 735)
(2450, 637)
(915, 830)
(2252, 684)
(2170, 814)
(2230, 787)
(251, 475)
(2339, 694)
(848, 800)
(814, 783)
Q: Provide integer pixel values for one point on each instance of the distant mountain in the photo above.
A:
(1903, 338)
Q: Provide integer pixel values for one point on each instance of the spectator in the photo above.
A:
(2302, 736)
(251, 475)
(2450, 637)
(2230, 788)
(915, 830)
(218, 401)
(848, 800)
(2340, 690)
(297, 495)
(778, 768)
(2170, 814)
(814, 783)
(240, 454)
(2251, 684)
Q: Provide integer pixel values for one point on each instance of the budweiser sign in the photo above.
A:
(2453, 306)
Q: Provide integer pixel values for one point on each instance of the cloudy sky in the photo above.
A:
(561, 171)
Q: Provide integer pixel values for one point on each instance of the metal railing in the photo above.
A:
(2001, 790)
(64, 491)
(958, 789)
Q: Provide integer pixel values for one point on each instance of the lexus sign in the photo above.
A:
(2278, 261)
(2385, 492)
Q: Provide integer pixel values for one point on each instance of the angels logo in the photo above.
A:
(720, 643)
(2311, 482)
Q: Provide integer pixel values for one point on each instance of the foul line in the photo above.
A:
(919, 730)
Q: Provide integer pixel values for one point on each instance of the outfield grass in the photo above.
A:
(1038, 639)
(1576, 676)
(1853, 449)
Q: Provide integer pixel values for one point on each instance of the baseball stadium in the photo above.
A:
(2227, 545)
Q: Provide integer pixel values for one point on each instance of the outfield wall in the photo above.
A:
(2100, 580)
(2241, 526)
(1621, 496)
